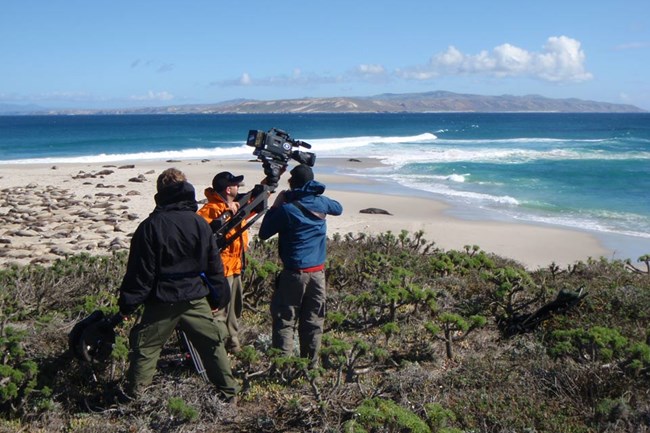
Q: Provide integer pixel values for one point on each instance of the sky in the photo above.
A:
(142, 53)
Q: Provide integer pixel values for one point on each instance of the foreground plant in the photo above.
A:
(379, 372)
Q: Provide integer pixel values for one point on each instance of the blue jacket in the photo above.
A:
(302, 235)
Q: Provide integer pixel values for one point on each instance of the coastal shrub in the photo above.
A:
(377, 356)
(439, 418)
(645, 259)
(34, 290)
(17, 373)
(350, 357)
(595, 344)
(600, 344)
(262, 267)
(638, 359)
(514, 291)
(379, 414)
(389, 330)
(181, 411)
(453, 328)
(288, 368)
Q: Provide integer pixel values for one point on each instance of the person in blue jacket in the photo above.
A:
(298, 218)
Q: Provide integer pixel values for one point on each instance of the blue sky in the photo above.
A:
(109, 54)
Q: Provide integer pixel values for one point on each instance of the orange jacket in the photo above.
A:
(232, 255)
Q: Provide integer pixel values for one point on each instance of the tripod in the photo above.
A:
(188, 348)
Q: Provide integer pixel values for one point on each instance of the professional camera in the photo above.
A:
(275, 149)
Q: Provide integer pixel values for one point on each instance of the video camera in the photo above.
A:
(275, 149)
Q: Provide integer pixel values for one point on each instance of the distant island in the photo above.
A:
(426, 102)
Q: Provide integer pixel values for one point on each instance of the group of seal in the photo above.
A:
(41, 223)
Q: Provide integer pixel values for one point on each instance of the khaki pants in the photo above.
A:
(233, 311)
(157, 324)
(299, 299)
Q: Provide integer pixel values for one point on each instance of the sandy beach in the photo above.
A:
(50, 211)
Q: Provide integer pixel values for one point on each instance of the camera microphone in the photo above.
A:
(302, 143)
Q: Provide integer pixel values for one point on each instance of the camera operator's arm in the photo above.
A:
(279, 200)
(275, 218)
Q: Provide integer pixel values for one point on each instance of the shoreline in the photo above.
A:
(618, 246)
(52, 210)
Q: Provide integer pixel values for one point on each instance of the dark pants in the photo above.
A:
(157, 324)
(299, 299)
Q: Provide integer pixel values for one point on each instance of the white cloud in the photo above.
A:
(632, 46)
(370, 70)
(561, 59)
(153, 96)
(245, 79)
(297, 78)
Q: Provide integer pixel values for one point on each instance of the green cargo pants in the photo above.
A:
(156, 325)
(233, 311)
(299, 299)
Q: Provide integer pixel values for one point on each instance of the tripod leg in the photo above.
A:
(187, 345)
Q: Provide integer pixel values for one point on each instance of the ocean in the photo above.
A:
(584, 171)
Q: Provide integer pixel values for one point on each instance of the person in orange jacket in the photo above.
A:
(222, 198)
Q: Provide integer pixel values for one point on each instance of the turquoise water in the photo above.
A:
(588, 171)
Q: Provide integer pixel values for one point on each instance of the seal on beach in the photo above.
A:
(375, 210)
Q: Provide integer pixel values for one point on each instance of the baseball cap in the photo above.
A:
(225, 179)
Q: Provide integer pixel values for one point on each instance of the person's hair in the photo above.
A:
(170, 177)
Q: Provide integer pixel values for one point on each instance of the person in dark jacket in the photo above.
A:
(298, 217)
(175, 271)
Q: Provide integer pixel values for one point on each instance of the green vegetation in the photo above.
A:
(416, 339)
(179, 410)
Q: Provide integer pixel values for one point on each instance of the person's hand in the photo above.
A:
(233, 207)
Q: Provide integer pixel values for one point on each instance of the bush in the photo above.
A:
(585, 369)
(385, 415)
(17, 374)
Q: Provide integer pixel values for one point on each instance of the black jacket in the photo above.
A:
(169, 252)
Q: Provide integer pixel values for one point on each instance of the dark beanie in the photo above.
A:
(300, 175)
